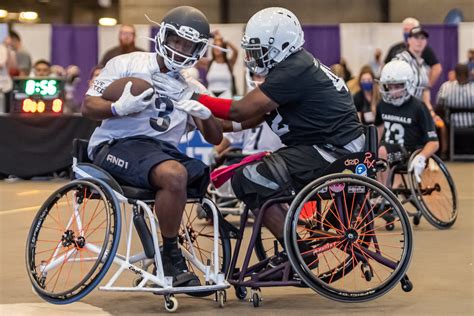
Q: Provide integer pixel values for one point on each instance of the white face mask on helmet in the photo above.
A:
(397, 72)
(271, 35)
(191, 28)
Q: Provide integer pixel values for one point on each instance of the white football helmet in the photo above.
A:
(188, 23)
(397, 72)
(271, 35)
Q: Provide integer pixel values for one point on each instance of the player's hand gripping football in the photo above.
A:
(128, 103)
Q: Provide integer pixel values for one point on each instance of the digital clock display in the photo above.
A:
(43, 87)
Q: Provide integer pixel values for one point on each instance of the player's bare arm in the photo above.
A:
(229, 126)
(211, 129)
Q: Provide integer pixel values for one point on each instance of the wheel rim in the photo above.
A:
(347, 232)
(437, 193)
(69, 241)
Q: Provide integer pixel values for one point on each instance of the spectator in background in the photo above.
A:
(94, 73)
(376, 64)
(470, 63)
(126, 44)
(367, 98)
(347, 72)
(23, 58)
(42, 68)
(340, 72)
(451, 75)
(427, 54)
(458, 94)
(417, 42)
(220, 76)
(6, 84)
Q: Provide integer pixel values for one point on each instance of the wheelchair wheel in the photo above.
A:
(436, 193)
(346, 239)
(73, 240)
(201, 236)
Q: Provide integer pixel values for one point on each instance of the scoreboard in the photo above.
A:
(37, 95)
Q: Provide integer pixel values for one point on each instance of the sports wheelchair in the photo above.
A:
(75, 236)
(435, 198)
(334, 235)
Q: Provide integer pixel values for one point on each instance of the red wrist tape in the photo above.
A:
(219, 107)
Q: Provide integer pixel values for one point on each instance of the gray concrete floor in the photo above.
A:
(441, 270)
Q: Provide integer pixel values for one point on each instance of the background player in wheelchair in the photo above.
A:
(409, 142)
(404, 122)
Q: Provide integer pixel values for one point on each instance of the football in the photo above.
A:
(114, 91)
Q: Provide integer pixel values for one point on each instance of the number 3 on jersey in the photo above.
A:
(394, 133)
(164, 107)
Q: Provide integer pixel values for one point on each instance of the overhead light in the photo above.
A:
(3, 14)
(28, 16)
(107, 21)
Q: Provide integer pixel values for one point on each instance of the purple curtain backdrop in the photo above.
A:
(323, 41)
(444, 41)
(75, 45)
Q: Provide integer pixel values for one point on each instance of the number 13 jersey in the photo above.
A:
(409, 125)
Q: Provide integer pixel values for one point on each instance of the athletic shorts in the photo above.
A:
(130, 160)
(255, 184)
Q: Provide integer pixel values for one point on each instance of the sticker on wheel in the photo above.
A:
(361, 169)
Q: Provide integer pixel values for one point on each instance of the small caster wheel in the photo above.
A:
(221, 298)
(390, 226)
(241, 292)
(367, 271)
(416, 220)
(137, 281)
(171, 303)
(256, 297)
(407, 286)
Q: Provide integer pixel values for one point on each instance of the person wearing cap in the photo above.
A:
(417, 42)
(428, 54)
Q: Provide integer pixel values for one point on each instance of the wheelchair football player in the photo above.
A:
(75, 235)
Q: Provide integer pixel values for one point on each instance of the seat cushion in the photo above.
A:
(138, 193)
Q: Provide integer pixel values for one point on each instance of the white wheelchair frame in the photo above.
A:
(215, 280)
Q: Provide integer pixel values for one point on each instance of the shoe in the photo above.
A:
(174, 265)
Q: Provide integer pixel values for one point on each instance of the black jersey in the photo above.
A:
(410, 124)
(315, 106)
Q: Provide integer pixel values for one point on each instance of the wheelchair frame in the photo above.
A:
(215, 280)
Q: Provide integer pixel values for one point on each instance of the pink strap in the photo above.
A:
(221, 175)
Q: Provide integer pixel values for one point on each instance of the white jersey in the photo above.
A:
(255, 140)
(160, 120)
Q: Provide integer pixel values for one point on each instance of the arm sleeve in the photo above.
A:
(116, 68)
(281, 86)
(427, 125)
(429, 56)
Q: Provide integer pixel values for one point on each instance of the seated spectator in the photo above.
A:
(458, 95)
(23, 58)
(376, 64)
(368, 96)
(42, 68)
